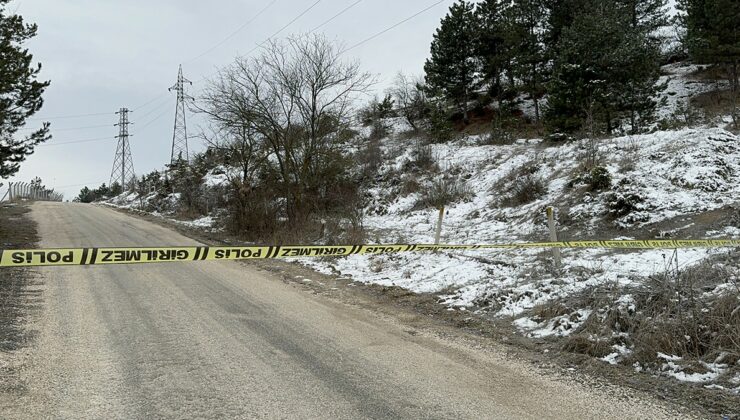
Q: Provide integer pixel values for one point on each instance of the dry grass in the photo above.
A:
(714, 103)
(444, 191)
(671, 314)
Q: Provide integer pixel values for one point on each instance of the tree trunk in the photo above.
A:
(733, 92)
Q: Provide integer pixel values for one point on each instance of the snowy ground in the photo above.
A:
(678, 174)
(669, 176)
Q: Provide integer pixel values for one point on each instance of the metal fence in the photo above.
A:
(25, 191)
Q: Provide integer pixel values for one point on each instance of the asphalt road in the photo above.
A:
(223, 340)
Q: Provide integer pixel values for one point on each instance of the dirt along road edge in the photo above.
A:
(228, 340)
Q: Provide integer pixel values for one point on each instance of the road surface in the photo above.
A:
(223, 340)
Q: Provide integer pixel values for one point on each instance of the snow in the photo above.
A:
(678, 173)
(560, 326)
(203, 222)
(620, 352)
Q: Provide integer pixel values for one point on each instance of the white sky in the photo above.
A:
(101, 55)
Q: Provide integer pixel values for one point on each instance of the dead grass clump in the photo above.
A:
(444, 191)
(683, 313)
(521, 186)
(410, 185)
(550, 310)
(526, 190)
(582, 344)
(714, 103)
(423, 156)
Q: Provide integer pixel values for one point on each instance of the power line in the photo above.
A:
(155, 109)
(284, 27)
(147, 124)
(70, 129)
(346, 9)
(393, 26)
(74, 142)
(62, 117)
(156, 98)
(233, 34)
(300, 15)
(79, 185)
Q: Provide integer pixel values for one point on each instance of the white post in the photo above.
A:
(556, 258)
(438, 233)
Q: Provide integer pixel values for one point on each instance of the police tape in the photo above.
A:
(100, 256)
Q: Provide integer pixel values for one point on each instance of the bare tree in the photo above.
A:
(411, 98)
(288, 110)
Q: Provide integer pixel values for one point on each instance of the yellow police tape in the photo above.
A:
(97, 256)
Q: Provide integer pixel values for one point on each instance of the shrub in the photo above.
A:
(370, 157)
(526, 190)
(623, 202)
(596, 179)
(423, 155)
(559, 138)
(497, 137)
(445, 191)
(599, 179)
(440, 128)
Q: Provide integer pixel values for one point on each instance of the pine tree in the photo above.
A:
(493, 48)
(20, 92)
(527, 40)
(85, 196)
(560, 15)
(453, 68)
(713, 36)
(604, 70)
(646, 15)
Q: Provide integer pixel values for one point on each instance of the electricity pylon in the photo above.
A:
(180, 135)
(123, 165)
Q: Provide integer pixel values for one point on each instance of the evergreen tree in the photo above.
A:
(604, 70)
(646, 15)
(713, 37)
(493, 49)
(20, 92)
(559, 16)
(101, 192)
(453, 68)
(116, 189)
(527, 40)
(85, 196)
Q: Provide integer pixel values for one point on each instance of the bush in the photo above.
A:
(370, 157)
(445, 191)
(423, 155)
(526, 190)
(559, 138)
(624, 200)
(497, 137)
(599, 179)
(670, 313)
(440, 128)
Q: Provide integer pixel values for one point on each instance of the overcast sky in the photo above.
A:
(101, 55)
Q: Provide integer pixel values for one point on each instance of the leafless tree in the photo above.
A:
(288, 110)
(411, 98)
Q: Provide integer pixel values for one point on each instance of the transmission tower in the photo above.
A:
(123, 165)
(180, 136)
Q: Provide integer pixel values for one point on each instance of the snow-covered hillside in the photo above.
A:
(668, 184)
(674, 174)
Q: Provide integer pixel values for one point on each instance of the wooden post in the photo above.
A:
(10, 191)
(556, 258)
(438, 233)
